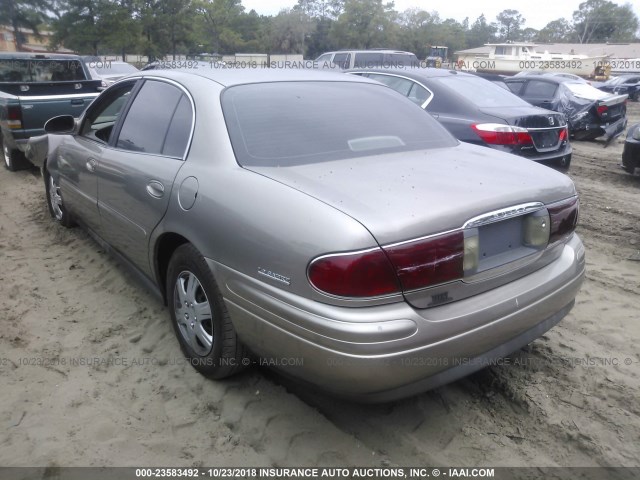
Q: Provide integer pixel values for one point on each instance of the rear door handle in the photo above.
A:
(77, 102)
(91, 165)
(155, 189)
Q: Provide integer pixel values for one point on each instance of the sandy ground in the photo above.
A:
(91, 373)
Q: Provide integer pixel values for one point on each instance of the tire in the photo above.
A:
(210, 343)
(14, 160)
(55, 203)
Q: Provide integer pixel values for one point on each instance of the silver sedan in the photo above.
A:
(318, 222)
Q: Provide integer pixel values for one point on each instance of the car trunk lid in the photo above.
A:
(544, 126)
(402, 197)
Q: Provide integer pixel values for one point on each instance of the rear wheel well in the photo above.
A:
(166, 245)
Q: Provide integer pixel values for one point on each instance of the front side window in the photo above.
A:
(293, 123)
(146, 125)
(343, 60)
(103, 114)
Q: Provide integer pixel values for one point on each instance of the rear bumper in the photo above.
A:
(595, 130)
(562, 155)
(391, 351)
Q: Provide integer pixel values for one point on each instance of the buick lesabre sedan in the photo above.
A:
(321, 217)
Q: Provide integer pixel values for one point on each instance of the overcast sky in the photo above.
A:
(537, 13)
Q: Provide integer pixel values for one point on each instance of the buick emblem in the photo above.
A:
(551, 122)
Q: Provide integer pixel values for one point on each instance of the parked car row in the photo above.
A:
(480, 112)
(318, 215)
(624, 84)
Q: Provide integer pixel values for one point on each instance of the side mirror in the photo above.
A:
(60, 125)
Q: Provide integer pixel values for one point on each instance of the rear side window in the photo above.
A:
(400, 85)
(419, 94)
(536, 89)
(392, 60)
(368, 59)
(293, 123)
(146, 126)
(516, 86)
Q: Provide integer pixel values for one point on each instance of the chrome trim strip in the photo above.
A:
(546, 128)
(503, 214)
(423, 105)
(58, 97)
(419, 239)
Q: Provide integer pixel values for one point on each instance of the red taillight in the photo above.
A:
(500, 134)
(562, 136)
(564, 218)
(401, 267)
(358, 274)
(602, 109)
(430, 261)
(14, 117)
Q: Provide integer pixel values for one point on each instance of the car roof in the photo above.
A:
(417, 73)
(371, 50)
(38, 56)
(544, 78)
(228, 77)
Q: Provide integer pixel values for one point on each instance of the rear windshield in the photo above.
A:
(34, 70)
(481, 92)
(294, 123)
(584, 90)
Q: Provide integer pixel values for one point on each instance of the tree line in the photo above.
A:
(165, 28)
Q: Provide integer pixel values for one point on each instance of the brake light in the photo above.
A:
(602, 109)
(500, 134)
(402, 267)
(431, 261)
(359, 274)
(564, 218)
(14, 117)
(563, 135)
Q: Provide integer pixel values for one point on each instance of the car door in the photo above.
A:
(78, 157)
(136, 175)
(540, 93)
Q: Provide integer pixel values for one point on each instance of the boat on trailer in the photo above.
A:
(510, 58)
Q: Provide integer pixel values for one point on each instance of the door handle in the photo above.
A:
(91, 165)
(155, 189)
(78, 102)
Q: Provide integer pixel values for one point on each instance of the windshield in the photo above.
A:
(34, 70)
(294, 123)
(481, 92)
